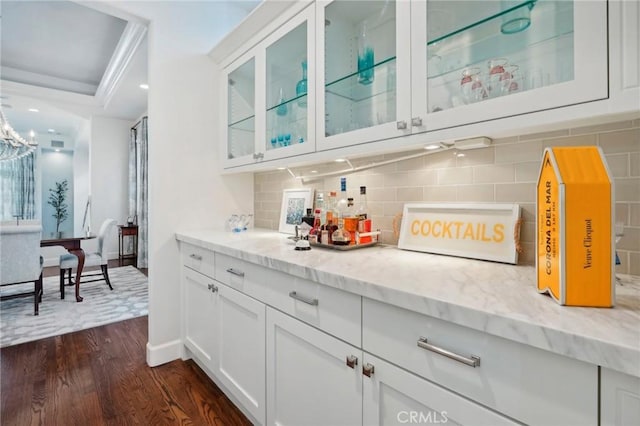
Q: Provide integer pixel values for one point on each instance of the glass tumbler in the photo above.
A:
(496, 75)
(471, 87)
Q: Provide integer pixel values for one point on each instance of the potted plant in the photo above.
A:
(57, 200)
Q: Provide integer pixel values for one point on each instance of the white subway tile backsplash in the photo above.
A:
(494, 173)
(519, 152)
(515, 192)
(505, 172)
(623, 141)
(457, 175)
(476, 193)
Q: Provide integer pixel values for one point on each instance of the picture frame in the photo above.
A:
(295, 203)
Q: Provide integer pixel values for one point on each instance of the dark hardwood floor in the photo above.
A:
(99, 376)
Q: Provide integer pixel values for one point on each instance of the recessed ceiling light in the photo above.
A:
(340, 160)
(51, 130)
(57, 149)
(144, 86)
(432, 147)
(460, 154)
(34, 110)
(314, 171)
(281, 168)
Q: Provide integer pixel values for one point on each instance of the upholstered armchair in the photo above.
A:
(99, 257)
(20, 259)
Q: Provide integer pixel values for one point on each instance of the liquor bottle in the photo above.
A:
(301, 87)
(341, 205)
(321, 204)
(315, 231)
(331, 215)
(362, 209)
(350, 208)
(341, 237)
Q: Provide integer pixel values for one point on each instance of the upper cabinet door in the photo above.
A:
(287, 82)
(363, 79)
(240, 93)
(480, 60)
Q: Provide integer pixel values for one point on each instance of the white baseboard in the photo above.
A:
(166, 352)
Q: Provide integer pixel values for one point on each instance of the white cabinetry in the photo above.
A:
(619, 399)
(624, 40)
(199, 334)
(393, 396)
(269, 96)
(309, 381)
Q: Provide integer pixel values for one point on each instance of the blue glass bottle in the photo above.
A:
(301, 87)
(365, 57)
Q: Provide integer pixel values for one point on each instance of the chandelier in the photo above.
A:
(13, 145)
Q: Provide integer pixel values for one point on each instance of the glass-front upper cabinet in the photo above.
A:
(289, 77)
(363, 71)
(270, 96)
(241, 119)
(480, 60)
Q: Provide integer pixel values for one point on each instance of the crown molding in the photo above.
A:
(131, 38)
(21, 76)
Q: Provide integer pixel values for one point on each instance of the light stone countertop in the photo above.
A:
(492, 297)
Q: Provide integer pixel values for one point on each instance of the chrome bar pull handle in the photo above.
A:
(472, 361)
(368, 369)
(195, 256)
(304, 299)
(401, 125)
(352, 361)
(235, 272)
(416, 121)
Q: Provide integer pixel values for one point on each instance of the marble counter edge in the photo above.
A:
(583, 348)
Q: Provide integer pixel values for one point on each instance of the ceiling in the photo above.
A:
(71, 60)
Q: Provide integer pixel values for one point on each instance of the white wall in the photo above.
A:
(185, 187)
(81, 175)
(56, 167)
(109, 174)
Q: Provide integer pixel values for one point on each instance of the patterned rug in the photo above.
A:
(129, 299)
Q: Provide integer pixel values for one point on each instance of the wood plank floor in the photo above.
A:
(99, 376)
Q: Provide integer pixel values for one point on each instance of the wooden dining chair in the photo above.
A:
(98, 258)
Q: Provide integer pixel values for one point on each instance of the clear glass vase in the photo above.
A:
(301, 87)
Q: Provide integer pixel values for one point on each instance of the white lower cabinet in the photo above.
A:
(240, 354)
(619, 399)
(199, 334)
(392, 396)
(309, 381)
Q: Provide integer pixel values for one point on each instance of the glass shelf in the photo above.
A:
(247, 123)
(482, 40)
(287, 103)
(348, 87)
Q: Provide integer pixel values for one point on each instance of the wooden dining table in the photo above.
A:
(72, 244)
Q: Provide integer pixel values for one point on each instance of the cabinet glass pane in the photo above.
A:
(287, 90)
(241, 111)
(360, 65)
(481, 50)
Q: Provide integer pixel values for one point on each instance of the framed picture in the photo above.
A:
(295, 203)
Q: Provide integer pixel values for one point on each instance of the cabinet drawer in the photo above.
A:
(198, 259)
(525, 383)
(334, 311)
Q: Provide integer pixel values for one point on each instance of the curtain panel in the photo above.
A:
(138, 187)
(18, 188)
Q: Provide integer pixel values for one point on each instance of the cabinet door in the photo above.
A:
(478, 61)
(308, 379)
(393, 396)
(199, 335)
(239, 102)
(240, 325)
(286, 78)
(363, 71)
(619, 399)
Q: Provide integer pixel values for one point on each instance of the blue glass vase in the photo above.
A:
(301, 87)
(365, 57)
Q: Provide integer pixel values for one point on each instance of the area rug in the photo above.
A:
(129, 299)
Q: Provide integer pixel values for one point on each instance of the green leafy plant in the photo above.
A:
(57, 200)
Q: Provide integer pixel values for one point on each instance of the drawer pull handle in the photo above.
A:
(368, 369)
(304, 299)
(401, 125)
(234, 272)
(416, 121)
(352, 361)
(212, 287)
(472, 361)
(195, 256)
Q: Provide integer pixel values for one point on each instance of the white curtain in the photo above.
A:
(17, 188)
(138, 187)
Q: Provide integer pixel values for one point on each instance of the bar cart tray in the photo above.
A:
(343, 248)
